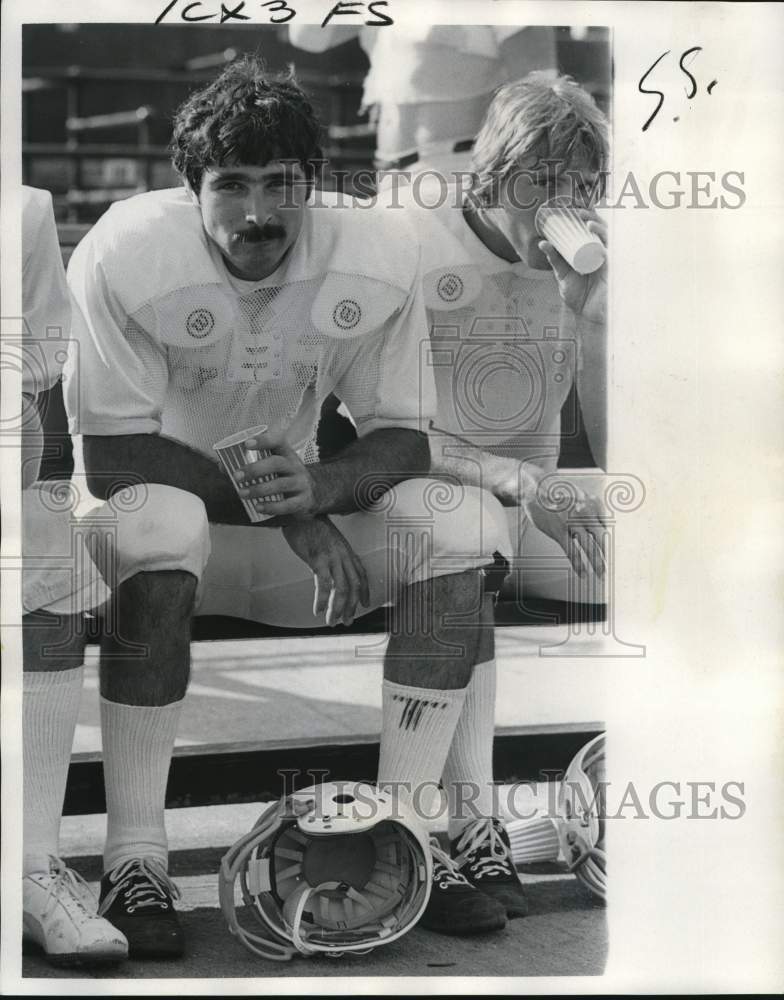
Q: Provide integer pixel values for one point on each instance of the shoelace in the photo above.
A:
(481, 846)
(445, 871)
(68, 882)
(144, 881)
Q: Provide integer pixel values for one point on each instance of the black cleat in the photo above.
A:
(455, 906)
(137, 897)
(483, 855)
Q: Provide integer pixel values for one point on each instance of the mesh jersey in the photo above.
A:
(170, 344)
(45, 300)
(503, 345)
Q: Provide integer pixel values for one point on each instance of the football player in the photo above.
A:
(245, 298)
(59, 583)
(512, 327)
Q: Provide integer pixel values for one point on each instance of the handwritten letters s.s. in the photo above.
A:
(686, 57)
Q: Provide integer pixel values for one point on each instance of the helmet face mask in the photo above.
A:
(333, 869)
(582, 809)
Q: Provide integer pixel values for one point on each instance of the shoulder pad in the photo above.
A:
(349, 305)
(368, 260)
(451, 286)
(150, 245)
(352, 236)
(190, 317)
(450, 278)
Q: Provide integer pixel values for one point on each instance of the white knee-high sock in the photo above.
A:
(137, 746)
(417, 728)
(468, 772)
(49, 713)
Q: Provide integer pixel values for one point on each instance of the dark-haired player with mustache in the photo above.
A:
(236, 301)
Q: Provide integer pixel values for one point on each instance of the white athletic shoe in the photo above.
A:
(60, 916)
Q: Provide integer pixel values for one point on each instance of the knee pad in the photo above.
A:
(151, 528)
(451, 527)
(58, 573)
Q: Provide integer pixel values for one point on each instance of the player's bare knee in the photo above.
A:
(165, 595)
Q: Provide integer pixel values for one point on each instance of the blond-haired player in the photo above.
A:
(512, 328)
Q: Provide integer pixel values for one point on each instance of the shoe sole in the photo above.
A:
(73, 958)
(514, 910)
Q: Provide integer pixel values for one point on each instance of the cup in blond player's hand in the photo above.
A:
(234, 455)
(584, 294)
(565, 227)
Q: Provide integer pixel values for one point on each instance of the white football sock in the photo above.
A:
(137, 746)
(468, 772)
(417, 728)
(49, 713)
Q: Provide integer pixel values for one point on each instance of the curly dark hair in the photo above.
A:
(245, 116)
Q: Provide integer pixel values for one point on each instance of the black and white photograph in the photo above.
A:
(378, 614)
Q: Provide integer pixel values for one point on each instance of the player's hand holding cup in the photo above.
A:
(575, 244)
(273, 477)
(234, 454)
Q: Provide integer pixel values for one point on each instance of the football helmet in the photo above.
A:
(582, 809)
(335, 868)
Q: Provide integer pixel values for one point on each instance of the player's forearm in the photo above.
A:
(592, 386)
(115, 461)
(511, 480)
(360, 472)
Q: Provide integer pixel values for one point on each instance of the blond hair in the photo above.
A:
(552, 119)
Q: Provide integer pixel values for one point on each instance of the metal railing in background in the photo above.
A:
(93, 174)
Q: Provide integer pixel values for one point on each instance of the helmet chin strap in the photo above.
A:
(300, 942)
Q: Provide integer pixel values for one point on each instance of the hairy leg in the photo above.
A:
(437, 632)
(145, 663)
(145, 653)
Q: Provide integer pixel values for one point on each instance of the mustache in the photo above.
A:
(258, 234)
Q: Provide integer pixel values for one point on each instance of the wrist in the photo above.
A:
(319, 490)
(513, 481)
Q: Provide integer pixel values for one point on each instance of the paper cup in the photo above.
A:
(560, 224)
(233, 455)
(533, 839)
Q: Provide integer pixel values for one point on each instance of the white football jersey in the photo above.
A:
(172, 344)
(45, 300)
(504, 350)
